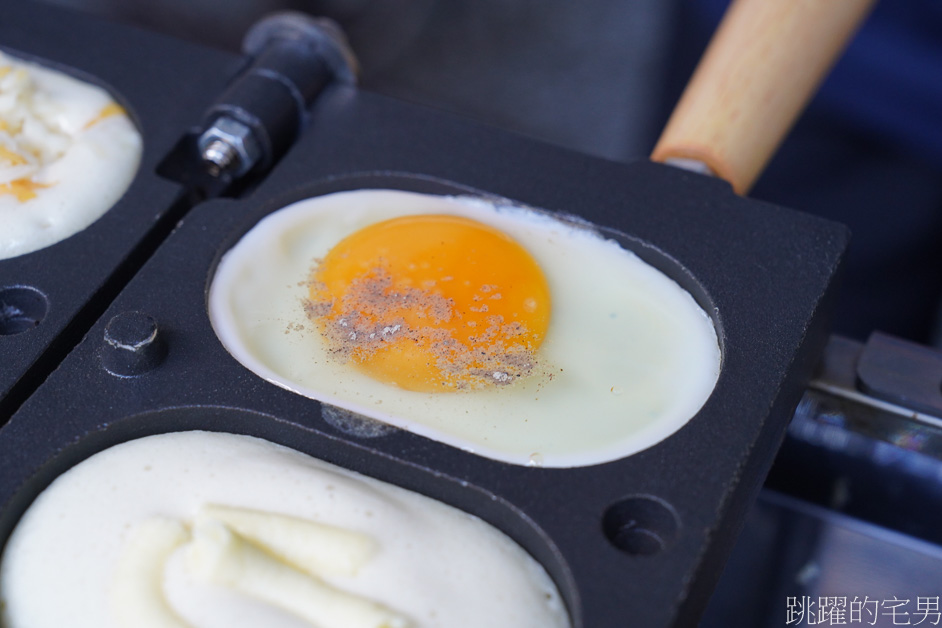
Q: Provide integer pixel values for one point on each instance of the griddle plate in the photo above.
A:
(764, 272)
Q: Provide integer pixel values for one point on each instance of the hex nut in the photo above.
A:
(236, 135)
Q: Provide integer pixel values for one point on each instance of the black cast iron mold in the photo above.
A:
(165, 85)
(767, 272)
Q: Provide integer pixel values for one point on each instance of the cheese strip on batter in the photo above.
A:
(223, 558)
(313, 547)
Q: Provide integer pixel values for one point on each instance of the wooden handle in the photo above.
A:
(762, 66)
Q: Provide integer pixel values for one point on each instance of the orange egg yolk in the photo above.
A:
(432, 303)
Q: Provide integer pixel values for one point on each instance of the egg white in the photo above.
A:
(97, 165)
(632, 355)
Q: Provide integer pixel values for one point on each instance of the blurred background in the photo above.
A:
(844, 514)
(601, 76)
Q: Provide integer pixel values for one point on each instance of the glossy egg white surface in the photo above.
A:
(629, 356)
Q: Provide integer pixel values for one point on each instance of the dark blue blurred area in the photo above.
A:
(888, 83)
(868, 153)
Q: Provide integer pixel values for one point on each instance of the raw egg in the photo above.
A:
(67, 153)
(432, 303)
(505, 331)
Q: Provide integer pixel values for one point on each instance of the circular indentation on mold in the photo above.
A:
(21, 309)
(641, 525)
(354, 424)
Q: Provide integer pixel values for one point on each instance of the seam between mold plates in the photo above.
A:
(99, 302)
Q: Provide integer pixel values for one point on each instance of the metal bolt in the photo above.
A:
(219, 157)
(132, 345)
(229, 146)
(294, 56)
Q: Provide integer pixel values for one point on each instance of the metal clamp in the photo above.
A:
(294, 57)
